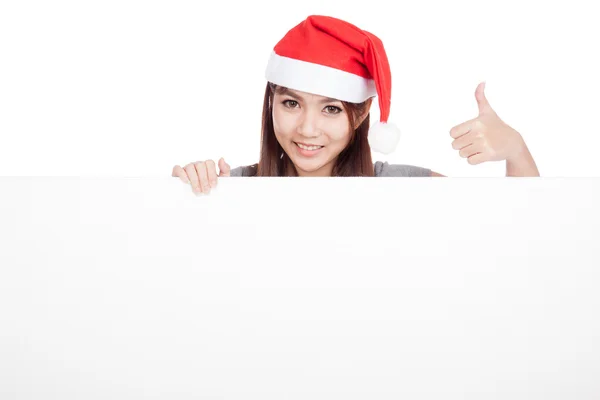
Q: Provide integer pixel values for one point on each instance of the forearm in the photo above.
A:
(522, 164)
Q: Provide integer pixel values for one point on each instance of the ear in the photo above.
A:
(365, 114)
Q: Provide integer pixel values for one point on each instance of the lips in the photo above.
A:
(307, 152)
(308, 145)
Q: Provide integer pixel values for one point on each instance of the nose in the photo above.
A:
(308, 125)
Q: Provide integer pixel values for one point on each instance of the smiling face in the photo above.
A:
(312, 130)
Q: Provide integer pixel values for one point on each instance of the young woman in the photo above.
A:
(321, 79)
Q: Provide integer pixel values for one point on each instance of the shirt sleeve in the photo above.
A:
(246, 170)
(385, 169)
(236, 171)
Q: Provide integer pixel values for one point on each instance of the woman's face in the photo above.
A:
(313, 130)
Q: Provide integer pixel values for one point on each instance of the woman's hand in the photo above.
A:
(487, 137)
(202, 175)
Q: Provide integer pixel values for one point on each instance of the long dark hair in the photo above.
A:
(354, 160)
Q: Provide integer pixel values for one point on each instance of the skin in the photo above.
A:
(312, 119)
(202, 175)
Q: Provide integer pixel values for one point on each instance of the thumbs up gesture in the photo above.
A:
(487, 137)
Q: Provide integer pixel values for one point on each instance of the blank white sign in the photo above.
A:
(300, 288)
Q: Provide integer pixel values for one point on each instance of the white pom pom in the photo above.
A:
(384, 137)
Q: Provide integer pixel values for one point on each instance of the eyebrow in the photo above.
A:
(295, 95)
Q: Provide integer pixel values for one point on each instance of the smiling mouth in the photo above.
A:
(308, 147)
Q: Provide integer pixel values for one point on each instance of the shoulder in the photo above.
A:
(385, 169)
(246, 170)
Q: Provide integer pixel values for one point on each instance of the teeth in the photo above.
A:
(308, 147)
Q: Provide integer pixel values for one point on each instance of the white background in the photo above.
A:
(131, 88)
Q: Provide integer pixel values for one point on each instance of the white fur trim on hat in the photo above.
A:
(318, 79)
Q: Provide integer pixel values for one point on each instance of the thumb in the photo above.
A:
(224, 168)
(482, 102)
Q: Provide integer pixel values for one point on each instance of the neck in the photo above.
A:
(326, 170)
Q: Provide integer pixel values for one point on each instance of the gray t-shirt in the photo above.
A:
(381, 169)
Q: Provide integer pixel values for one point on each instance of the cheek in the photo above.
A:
(338, 129)
(283, 123)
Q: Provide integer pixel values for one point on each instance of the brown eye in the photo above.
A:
(333, 110)
(290, 103)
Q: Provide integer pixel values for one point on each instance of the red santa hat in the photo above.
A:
(333, 58)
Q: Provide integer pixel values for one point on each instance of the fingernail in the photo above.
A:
(213, 184)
